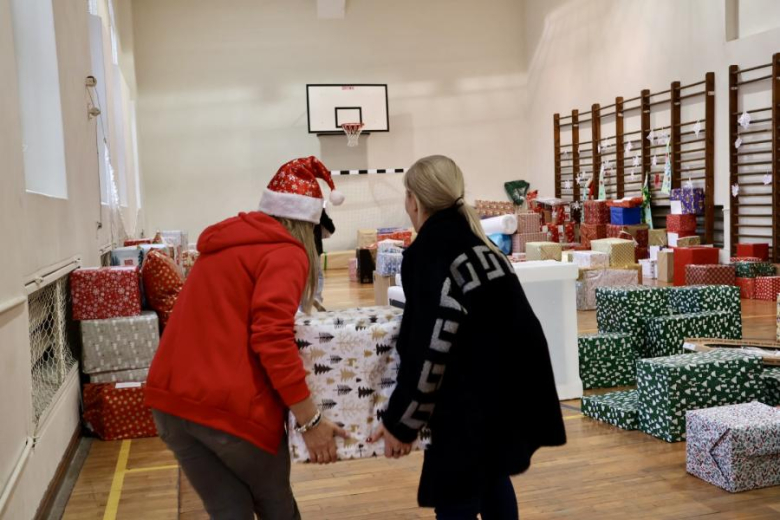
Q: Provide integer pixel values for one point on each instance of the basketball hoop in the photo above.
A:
(353, 133)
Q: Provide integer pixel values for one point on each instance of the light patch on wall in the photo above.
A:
(331, 9)
(750, 17)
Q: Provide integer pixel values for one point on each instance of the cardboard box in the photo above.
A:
(381, 285)
(366, 238)
(666, 266)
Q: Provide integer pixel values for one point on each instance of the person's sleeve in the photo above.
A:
(327, 224)
(277, 295)
(431, 335)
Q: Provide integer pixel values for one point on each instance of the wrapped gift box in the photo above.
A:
(765, 269)
(736, 448)
(137, 241)
(745, 269)
(666, 266)
(568, 232)
(747, 288)
(336, 260)
(106, 292)
(607, 360)
(617, 408)
(692, 255)
(529, 222)
(704, 298)
(688, 201)
(654, 250)
(353, 277)
(636, 268)
(587, 259)
(670, 386)
(657, 237)
(404, 235)
(677, 239)
(681, 224)
(621, 252)
(117, 411)
(591, 279)
(640, 233)
(352, 365)
(760, 251)
(188, 259)
(767, 287)
(178, 240)
(771, 384)
(625, 309)
(642, 253)
(553, 233)
(119, 343)
(625, 216)
(626, 202)
(709, 274)
(388, 263)
(137, 375)
(591, 232)
(596, 212)
(778, 317)
(543, 251)
(649, 269)
(688, 241)
(735, 259)
(366, 238)
(520, 240)
(665, 335)
(130, 256)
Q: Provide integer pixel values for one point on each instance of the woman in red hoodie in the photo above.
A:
(227, 369)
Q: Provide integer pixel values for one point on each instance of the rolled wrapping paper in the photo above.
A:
(504, 225)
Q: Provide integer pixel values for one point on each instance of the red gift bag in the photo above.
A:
(117, 411)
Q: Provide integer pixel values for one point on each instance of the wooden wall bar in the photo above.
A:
(619, 150)
(709, 158)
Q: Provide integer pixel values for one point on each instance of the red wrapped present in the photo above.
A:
(639, 233)
(104, 293)
(684, 256)
(681, 224)
(760, 251)
(767, 287)
(117, 411)
(528, 222)
(642, 253)
(750, 259)
(554, 233)
(709, 274)
(163, 281)
(568, 232)
(596, 212)
(559, 213)
(747, 288)
(590, 232)
(404, 235)
(627, 202)
(137, 241)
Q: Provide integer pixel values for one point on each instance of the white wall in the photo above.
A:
(222, 103)
(582, 52)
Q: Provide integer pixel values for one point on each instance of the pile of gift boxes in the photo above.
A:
(121, 310)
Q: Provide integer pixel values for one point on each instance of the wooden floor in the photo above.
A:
(602, 473)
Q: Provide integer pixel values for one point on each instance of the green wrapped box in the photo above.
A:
(771, 382)
(670, 386)
(703, 298)
(616, 408)
(607, 360)
(665, 335)
(621, 309)
(745, 269)
(765, 269)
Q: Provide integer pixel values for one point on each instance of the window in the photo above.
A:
(39, 97)
(748, 17)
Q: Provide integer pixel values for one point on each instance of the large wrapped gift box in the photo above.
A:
(607, 360)
(543, 251)
(771, 384)
(692, 255)
(760, 251)
(529, 222)
(404, 235)
(765, 269)
(137, 375)
(621, 252)
(681, 224)
(137, 241)
(590, 259)
(709, 274)
(670, 386)
(657, 237)
(129, 256)
(687, 201)
(591, 232)
(119, 343)
(117, 411)
(617, 408)
(106, 292)
(336, 260)
(747, 287)
(625, 216)
(591, 279)
(704, 298)
(352, 365)
(521, 240)
(366, 238)
(388, 263)
(736, 448)
(665, 335)
(626, 202)
(767, 287)
(178, 240)
(639, 233)
(744, 269)
(625, 309)
(596, 212)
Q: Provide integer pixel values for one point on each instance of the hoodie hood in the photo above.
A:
(245, 229)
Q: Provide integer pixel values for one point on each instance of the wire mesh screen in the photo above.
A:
(51, 352)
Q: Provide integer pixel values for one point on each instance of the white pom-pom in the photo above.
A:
(336, 198)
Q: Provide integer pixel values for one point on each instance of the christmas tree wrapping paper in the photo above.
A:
(658, 237)
(665, 335)
(747, 288)
(621, 252)
(543, 251)
(607, 360)
(771, 383)
(128, 256)
(736, 448)
(765, 269)
(352, 364)
(703, 298)
(767, 287)
(709, 274)
(592, 278)
(625, 309)
(744, 269)
(119, 344)
(760, 251)
(670, 386)
(616, 408)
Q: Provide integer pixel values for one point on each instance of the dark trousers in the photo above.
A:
(497, 502)
(234, 478)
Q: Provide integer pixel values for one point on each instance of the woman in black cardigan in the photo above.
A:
(474, 367)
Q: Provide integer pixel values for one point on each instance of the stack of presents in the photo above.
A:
(122, 310)
(721, 401)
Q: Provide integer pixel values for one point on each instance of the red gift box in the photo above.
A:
(639, 233)
(709, 274)
(116, 411)
(404, 236)
(747, 288)
(642, 253)
(104, 293)
(137, 241)
(681, 224)
(596, 212)
(633, 202)
(753, 259)
(767, 287)
(554, 233)
(589, 232)
(569, 233)
(684, 256)
(760, 251)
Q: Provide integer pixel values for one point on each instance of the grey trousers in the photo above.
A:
(234, 478)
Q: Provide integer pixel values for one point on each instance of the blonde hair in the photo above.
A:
(437, 183)
(303, 232)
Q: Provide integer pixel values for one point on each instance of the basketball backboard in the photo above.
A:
(331, 105)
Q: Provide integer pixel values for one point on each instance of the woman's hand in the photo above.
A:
(321, 441)
(394, 449)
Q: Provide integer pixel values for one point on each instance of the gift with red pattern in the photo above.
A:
(137, 241)
(684, 256)
(747, 288)
(709, 274)
(590, 232)
(569, 232)
(554, 233)
(681, 224)
(116, 411)
(751, 259)
(627, 202)
(760, 251)
(105, 292)
(767, 287)
(596, 212)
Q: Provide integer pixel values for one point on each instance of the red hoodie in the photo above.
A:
(228, 358)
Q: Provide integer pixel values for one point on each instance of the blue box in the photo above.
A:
(625, 216)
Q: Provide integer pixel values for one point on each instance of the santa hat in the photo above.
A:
(294, 192)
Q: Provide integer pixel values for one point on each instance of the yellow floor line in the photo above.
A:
(151, 468)
(567, 417)
(112, 505)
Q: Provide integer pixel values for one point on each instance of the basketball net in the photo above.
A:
(353, 133)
